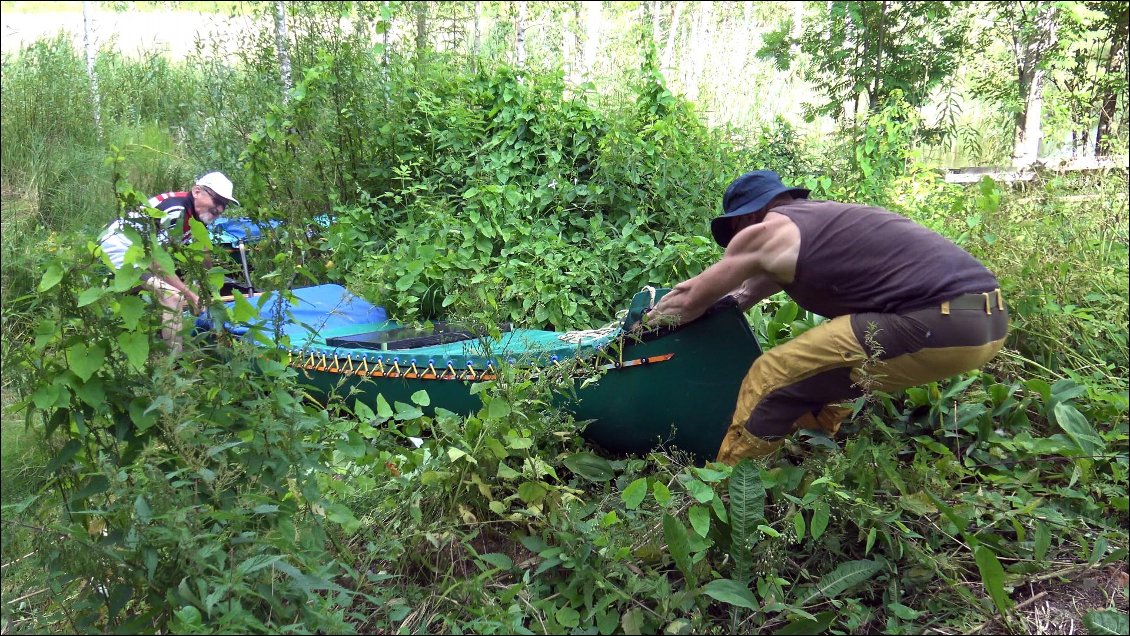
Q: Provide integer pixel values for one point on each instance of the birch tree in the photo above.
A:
(1030, 28)
(592, 34)
(88, 44)
(672, 32)
(281, 46)
(520, 35)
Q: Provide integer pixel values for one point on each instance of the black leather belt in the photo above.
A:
(985, 301)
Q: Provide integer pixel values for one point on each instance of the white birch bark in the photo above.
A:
(88, 44)
(592, 34)
(520, 33)
(672, 31)
(281, 40)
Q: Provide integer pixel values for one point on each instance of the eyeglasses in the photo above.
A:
(217, 200)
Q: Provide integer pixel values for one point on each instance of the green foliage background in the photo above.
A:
(205, 496)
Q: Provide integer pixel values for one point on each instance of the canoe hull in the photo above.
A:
(673, 388)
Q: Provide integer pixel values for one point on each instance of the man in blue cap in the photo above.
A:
(903, 299)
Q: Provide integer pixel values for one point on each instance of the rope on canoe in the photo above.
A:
(581, 335)
(576, 337)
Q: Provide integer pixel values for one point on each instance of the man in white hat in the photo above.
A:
(205, 202)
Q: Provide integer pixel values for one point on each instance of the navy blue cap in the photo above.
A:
(747, 194)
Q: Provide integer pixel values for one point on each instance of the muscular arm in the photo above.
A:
(754, 290)
(740, 269)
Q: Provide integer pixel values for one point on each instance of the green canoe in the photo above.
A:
(672, 387)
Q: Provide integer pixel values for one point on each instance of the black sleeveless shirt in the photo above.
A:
(856, 259)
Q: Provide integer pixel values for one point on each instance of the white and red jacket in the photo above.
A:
(178, 208)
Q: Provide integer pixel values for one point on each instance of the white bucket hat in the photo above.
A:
(218, 183)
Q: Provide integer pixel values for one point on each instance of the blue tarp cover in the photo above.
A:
(232, 230)
(328, 311)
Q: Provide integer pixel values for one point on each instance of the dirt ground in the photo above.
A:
(1056, 604)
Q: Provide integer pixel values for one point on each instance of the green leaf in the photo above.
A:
(903, 612)
(1078, 429)
(85, 361)
(353, 446)
(607, 620)
(798, 525)
(700, 519)
(51, 277)
(363, 412)
(817, 625)
(678, 544)
(131, 309)
(142, 509)
(1107, 622)
(343, 516)
(747, 502)
(506, 472)
(405, 412)
(568, 617)
(731, 592)
(499, 408)
(120, 594)
(992, 575)
(845, 576)
(93, 486)
(383, 409)
(256, 563)
(661, 493)
(65, 455)
(820, 516)
(1042, 541)
(136, 347)
(421, 398)
(93, 393)
(700, 491)
(532, 492)
(589, 466)
(243, 310)
(498, 560)
(635, 492)
(90, 295)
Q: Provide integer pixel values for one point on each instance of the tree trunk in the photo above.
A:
(421, 33)
(1029, 49)
(672, 31)
(478, 22)
(387, 15)
(88, 44)
(592, 35)
(1029, 133)
(568, 46)
(1116, 66)
(283, 51)
(656, 32)
(520, 35)
(876, 83)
